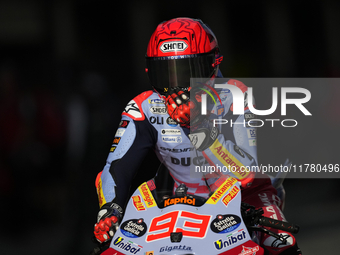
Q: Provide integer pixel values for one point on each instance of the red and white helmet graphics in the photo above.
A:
(181, 36)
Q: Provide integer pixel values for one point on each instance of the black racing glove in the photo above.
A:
(203, 137)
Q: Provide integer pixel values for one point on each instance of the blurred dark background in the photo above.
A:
(68, 68)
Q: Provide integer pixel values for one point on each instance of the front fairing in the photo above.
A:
(158, 220)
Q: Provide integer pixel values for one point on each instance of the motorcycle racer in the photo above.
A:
(167, 119)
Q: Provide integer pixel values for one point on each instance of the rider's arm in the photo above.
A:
(234, 150)
(133, 140)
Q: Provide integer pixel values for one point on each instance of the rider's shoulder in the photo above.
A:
(238, 84)
(144, 96)
(134, 109)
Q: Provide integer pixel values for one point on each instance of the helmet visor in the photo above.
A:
(176, 71)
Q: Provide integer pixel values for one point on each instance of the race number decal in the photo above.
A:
(192, 225)
(164, 225)
(198, 227)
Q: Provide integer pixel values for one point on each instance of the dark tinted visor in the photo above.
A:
(176, 71)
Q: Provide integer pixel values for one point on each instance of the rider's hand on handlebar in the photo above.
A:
(108, 220)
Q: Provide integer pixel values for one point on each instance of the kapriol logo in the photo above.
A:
(245, 100)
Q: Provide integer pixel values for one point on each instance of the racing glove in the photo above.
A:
(108, 219)
(180, 107)
(204, 136)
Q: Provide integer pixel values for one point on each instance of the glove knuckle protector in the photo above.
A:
(180, 107)
(108, 219)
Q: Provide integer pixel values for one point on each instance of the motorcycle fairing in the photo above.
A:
(218, 223)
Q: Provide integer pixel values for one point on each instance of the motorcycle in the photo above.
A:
(159, 220)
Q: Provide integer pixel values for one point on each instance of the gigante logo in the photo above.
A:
(240, 101)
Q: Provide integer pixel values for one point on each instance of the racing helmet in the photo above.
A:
(180, 49)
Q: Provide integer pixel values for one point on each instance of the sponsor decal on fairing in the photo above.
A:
(151, 184)
(231, 239)
(147, 196)
(179, 200)
(249, 250)
(126, 245)
(133, 228)
(225, 223)
(227, 184)
(231, 195)
(137, 203)
(176, 247)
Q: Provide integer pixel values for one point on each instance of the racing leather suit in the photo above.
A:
(146, 125)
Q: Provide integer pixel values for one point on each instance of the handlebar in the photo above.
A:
(254, 216)
(269, 222)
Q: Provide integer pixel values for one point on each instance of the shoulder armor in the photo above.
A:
(134, 108)
(243, 88)
(238, 84)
